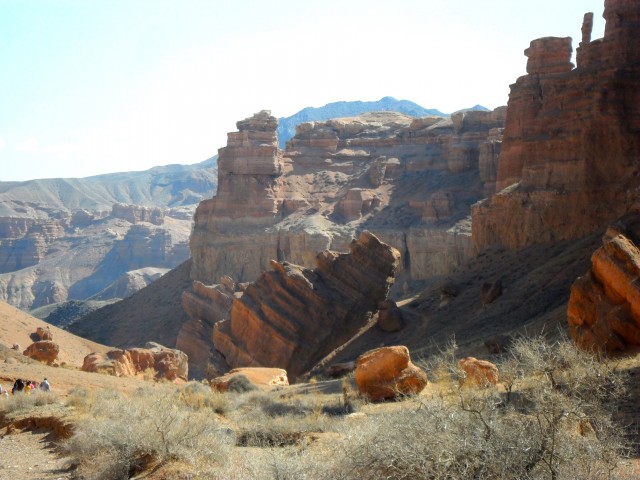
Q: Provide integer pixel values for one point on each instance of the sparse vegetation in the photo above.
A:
(551, 419)
(26, 401)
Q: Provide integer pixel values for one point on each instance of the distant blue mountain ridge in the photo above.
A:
(287, 125)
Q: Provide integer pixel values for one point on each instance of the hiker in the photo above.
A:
(44, 386)
(17, 386)
(27, 387)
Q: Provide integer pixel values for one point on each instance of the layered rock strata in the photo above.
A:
(571, 147)
(410, 181)
(292, 317)
(604, 307)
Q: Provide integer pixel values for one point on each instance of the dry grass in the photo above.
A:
(550, 420)
(22, 402)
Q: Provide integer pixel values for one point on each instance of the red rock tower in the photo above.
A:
(570, 159)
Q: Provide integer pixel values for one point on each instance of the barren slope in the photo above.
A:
(17, 327)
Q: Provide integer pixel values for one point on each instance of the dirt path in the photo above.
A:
(30, 456)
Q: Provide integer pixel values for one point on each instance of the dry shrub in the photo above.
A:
(566, 431)
(199, 395)
(20, 401)
(124, 435)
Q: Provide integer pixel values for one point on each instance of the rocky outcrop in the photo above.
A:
(163, 363)
(44, 351)
(478, 373)
(409, 181)
(571, 145)
(604, 307)
(387, 372)
(136, 213)
(292, 317)
(44, 333)
(24, 242)
(64, 239)
(262, 378)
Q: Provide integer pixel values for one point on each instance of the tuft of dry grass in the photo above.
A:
(26, 401)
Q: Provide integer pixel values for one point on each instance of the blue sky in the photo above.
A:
(98, 86)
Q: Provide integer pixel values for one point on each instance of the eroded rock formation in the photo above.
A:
(44, 351)
(292, 317)
(571, 147)
(162, 362)
(410, 181)
(604, 307)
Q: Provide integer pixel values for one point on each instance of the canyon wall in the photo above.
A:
(409, 181)
(571, 146)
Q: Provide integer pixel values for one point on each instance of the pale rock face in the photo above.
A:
(571, 147)
(395, 175)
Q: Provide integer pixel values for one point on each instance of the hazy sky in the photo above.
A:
(97, 86)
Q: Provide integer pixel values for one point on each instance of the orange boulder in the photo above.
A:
(387, 372)
(604, 306)
(44, 351)
(478, 372)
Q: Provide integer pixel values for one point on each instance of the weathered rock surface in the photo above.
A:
(64, 239)
(387, 372)
(292, 317)
(137, 213)
(604, 307)
(409, 181)
(165, 363)
(263, 378)
(44, 351)
(571, 146)
(478, 372)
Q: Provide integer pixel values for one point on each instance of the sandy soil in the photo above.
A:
(17, 326)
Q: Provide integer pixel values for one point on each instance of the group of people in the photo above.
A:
(26, 386)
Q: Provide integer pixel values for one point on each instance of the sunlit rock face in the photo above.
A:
(571, 147)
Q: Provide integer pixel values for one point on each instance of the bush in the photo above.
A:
(26, 401)
(125, 434)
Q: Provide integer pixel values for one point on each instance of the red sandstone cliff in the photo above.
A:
(571, 145)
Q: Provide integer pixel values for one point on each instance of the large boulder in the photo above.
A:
(478, 373)
(604, 306)
(257, 377)
(387, 372)
(44, 351)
